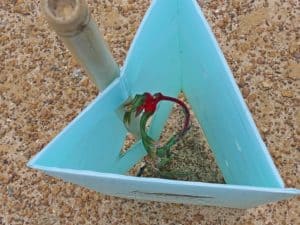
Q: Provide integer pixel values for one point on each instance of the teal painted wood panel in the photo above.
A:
(219, 105)
(92, 141)
(163, 190)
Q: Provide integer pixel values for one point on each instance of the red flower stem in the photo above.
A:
(185, 108)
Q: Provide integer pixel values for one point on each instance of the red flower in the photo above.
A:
(150, 103)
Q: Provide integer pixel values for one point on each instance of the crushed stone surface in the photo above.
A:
(42, 88)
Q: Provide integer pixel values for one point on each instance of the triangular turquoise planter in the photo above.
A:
(174, 50)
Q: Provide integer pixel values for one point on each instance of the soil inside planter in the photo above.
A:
(192, 160)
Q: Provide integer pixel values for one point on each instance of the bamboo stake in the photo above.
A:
(72, 21)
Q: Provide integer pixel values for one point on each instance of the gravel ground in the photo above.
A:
(42, 88)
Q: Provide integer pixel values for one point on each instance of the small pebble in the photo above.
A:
(251, 97)
(287, 93)
(260, 60)
(288, 182)
(297, 55)
(267, 84)
(245, 92)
